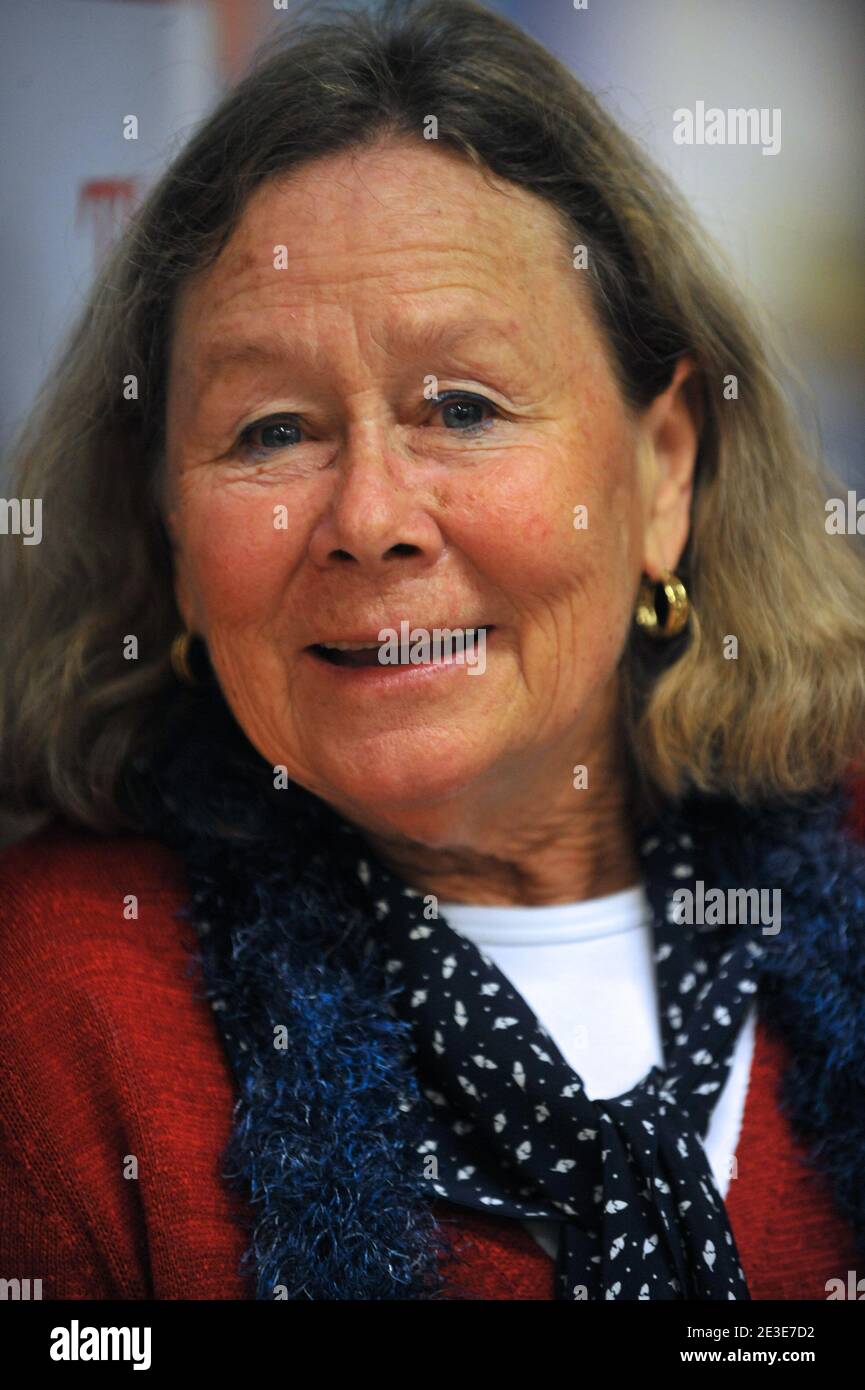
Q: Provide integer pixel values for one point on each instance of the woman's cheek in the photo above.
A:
(236, 555)
(539, 522)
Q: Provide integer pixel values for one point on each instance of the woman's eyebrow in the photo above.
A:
(232, 352)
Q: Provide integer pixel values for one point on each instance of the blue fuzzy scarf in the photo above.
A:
(323, 1134)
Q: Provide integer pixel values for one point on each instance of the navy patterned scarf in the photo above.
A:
(509, 1126)
(367, 1041)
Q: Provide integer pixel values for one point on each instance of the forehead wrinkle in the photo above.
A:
(398, 267)
(419, 338)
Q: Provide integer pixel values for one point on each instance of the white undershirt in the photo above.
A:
(587, 972)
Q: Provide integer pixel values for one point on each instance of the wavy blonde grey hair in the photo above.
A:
(787, 716)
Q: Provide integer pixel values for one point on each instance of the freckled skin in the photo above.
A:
(464, 783)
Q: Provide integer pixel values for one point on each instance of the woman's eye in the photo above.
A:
(266, 436)
(460, 413)
(463, 413)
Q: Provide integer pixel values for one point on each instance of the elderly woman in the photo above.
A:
(450, 706)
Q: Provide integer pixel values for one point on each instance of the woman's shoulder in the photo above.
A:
(112, 1070)
(91, 936)
(67, 888)
(60, 856)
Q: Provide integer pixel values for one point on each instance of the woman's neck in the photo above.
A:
(580, 845)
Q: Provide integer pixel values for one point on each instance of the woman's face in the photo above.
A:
(319, 494)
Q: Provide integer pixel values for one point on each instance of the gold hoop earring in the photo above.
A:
(678, 606)
(179, 657)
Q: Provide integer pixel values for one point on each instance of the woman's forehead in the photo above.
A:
(406, 218)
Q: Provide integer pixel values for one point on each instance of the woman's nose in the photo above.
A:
(375, 516)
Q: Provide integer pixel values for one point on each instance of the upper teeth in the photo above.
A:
(350, 646)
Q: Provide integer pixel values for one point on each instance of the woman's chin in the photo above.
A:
(390, 788)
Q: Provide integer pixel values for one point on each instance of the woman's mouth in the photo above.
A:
(413, 648)
(348, 653)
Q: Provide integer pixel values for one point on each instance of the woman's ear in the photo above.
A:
(670, 430)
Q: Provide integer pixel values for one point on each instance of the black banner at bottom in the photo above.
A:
(251, 1339)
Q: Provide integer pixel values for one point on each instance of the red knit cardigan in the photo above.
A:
(116, 1105)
